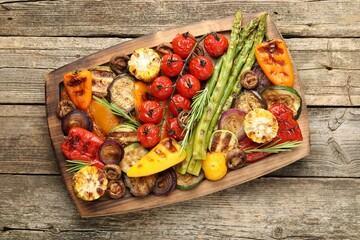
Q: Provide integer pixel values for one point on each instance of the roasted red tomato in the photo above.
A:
(215, 44)
(174, 130)
(161, 88)
(151, 112)
(201, 67)
(171, 64)
(148, 135)
(183, 44)
(188, 85)
(178, 103)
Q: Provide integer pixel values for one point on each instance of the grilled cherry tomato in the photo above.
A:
(183, 44)
(174, 130)
(171, 64)
(215, 44)
(188, 85)
(161, 87)
(148, 135)
(201, 67)
(178, 103)
(151, 112)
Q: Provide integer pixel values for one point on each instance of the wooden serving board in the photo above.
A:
(104, 206)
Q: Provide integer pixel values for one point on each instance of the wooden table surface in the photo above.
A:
(317, 197)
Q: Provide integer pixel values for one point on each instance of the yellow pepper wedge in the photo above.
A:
(163, 156)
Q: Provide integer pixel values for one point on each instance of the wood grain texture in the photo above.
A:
(266, 208)
(129, 18)
(328, 68)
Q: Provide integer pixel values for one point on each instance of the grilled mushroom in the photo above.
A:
(235, 159)
(118, 63)
(112, 171)
(64, 107)
(116, 189)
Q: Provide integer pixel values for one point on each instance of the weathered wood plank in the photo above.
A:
(26, 146)
(266, 208)
(328, 68)
(128, 18)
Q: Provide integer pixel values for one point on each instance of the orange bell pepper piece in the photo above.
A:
(78, 86)
(274, 59)
(140, 91)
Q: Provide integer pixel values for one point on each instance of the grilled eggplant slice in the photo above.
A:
(122, 92)
(133, 153)
(140, 186)
(249, 100)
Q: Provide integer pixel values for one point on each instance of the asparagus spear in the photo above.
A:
(246, 32)
(238, 63)
(249, 61)
(200, 133)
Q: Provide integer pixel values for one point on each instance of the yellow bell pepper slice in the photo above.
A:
(163, 156)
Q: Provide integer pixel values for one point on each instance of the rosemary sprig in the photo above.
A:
(274, 147)
(117, 111)
(200, 100)
(76, 165)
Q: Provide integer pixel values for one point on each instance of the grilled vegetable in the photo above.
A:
(133, 153)
(116, 189)
(260, 125)
(263, 80)
(222, 141)
(144, 64)
(249, 100)
(285, 95)
(63, 108)
(111, 152)
(78, 85)
(235, 159)
(188, 181)
(76, 118)
(122, 92)
(233, 120)
(102, 77)
(274, 59)
(112, 171)
(249, 80)
(81, 144)
(165, 183)
(118, 63)
(214, 166)
(124, 136)
(164, 155)
(140, 186)
(89, 183)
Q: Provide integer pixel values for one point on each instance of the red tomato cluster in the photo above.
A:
(177, 85)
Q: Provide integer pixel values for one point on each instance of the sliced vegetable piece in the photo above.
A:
(235, 159)
(76, 118)
(116, 189)
(233, 120)
(89, 183)
(123, 136)
(164, 155)
(122, 92)
(188, 181)
(249, 100)
(285, 95)
(165, 183)
(222, 141)
(144, 64)
(140, 186)
(133, 153)
(111, 152)
(260, 125)
(64, 107)
(102, 76)
(112, 171)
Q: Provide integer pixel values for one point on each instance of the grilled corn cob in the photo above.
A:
(144, 64)
(260, 125)
(90, 183)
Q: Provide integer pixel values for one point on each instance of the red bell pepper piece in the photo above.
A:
(81, 144)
